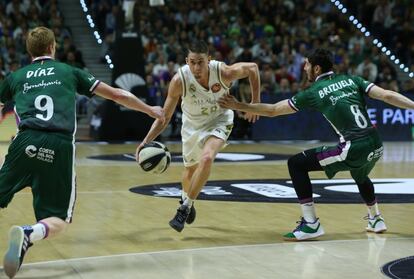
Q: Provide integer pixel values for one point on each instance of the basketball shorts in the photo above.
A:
(194, 137)
(43, 161)
(357, 156)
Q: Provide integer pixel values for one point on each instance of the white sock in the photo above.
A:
(188, 202)
(308, 212)
(183, 195)
(373, 210)
(40, 231)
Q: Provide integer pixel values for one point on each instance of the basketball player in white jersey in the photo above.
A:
(206, 126)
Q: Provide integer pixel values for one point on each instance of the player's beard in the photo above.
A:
(311, 75)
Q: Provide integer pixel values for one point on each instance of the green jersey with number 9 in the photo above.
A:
(340, 98)
(44, 93)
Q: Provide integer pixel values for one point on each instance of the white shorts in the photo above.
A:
(194, 138)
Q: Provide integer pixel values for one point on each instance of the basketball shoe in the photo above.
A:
(177, 223)
(305, 231)
(191, 217)
(19, 243)
(376, 224)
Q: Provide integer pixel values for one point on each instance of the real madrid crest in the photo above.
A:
(216, 87)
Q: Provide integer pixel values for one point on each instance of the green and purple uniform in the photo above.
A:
(42, 155)
(340, 98)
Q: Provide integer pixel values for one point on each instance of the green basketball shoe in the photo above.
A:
(376, 224)
(305, 231)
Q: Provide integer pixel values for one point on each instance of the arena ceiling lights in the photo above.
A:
(376, 41)
(96, 33)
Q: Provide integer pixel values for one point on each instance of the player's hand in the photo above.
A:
(158, 113)
(228, 101)
(140, 146)
(251, 117)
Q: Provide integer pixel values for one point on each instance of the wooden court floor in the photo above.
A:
(120, 234)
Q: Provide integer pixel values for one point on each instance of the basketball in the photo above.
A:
(154, 157)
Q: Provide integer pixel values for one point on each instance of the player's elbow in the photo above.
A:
(253, 68)
(166, 122)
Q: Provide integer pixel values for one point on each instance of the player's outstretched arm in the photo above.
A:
(128, 100)
(174, 93)
(271, 110)
(391, 97)
(244, 70)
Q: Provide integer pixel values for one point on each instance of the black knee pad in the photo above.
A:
(305, 161)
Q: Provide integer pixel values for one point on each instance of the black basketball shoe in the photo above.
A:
(191, 217)
(177, 223)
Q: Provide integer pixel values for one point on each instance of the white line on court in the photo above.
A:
(217, 248)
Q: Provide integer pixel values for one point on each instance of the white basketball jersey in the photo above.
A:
(199, 105)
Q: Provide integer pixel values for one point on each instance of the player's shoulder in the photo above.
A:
(177, 82)
(215, 62)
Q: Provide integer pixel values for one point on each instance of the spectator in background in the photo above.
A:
(367, 69)
(160, 67)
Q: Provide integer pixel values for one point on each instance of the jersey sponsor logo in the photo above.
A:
(43, 154)
(40, 72)
(192, 88)
(377, 153)
(27, 87)
(334, 99)
(216, 88)
(46, 155)
(325, 91)
(389, 190)
(31, 151)
(91, 78)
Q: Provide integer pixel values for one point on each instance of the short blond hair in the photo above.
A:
(39, 40)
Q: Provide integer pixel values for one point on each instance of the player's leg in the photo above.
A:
(366, 188)
(211, 147)
(54, 192)
(186, 180)
(299, 167)
(15, 174)
(185, 184)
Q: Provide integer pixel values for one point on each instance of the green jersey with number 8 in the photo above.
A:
(44, 93)
(340, 98)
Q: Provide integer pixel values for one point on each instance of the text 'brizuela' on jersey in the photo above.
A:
(44, 93)
(340, 98)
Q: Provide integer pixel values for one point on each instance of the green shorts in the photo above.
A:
(357, 156)
(43, 161)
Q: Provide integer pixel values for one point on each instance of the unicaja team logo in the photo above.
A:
(31, 151)
(216, 87)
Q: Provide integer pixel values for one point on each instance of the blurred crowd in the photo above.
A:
(276, 34)
(19, 16)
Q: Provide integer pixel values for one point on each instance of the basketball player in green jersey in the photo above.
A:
(42, 154)
(206, 126)
(340, 98)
